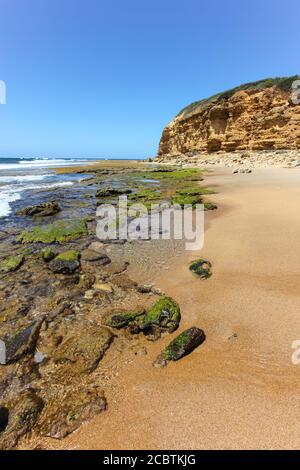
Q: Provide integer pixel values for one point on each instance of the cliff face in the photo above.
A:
(256, 116)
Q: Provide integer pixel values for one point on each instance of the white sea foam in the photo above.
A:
(22, 178)
(40, 163)
(11, 193)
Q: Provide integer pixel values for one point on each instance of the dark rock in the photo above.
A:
(209, 206)
(201, 268)
(17, 417)
(65, 263)
(145, 289)
(182, 345)
(107, 192)
(22, 343)
(121, 319)
(41, 210)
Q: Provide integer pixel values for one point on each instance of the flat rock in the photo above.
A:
(60, 231)
(83, 349)
(64, 414)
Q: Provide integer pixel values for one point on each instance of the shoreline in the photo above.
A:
(241, 378)
(73, 286)
(228, 394)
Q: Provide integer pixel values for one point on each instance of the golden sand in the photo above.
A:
(235, 393)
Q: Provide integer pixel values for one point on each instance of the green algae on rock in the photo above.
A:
(201, 268)
(182, 345)
(107, 192)
(60, 231)
(41, 210)
(121, 319)
(47, 254)
(66, 262)
(183, 200)
(209, 206)
(12, 263)
(162, 315)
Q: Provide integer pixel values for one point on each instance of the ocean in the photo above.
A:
(20, 176)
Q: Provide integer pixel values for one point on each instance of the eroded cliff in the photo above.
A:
(255, 116)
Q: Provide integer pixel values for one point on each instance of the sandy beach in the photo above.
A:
(239, 389)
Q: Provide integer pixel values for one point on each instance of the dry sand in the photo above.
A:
(232, 394)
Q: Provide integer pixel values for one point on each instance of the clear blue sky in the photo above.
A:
(101, 78)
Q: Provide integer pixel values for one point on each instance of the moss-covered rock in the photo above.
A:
(108, 192)
(209, 206)
(18, 417)
(47, 254)
(60, 231)
(66, 262)
(182, 345)
(163, 315)
(184, 199)
(146, 194)
(201, 268)
(121, 319)
(41, 210)
(11, 263)
(65, 414)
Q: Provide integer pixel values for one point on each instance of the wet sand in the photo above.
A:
(232, 393)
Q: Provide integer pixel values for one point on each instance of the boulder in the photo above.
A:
(41, 210)
(163, 315)
(182, 345)
(65, 263)
(21, 342)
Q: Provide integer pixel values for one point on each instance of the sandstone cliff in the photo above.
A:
(254, 116)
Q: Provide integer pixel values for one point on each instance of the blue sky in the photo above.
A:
(101, 78)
